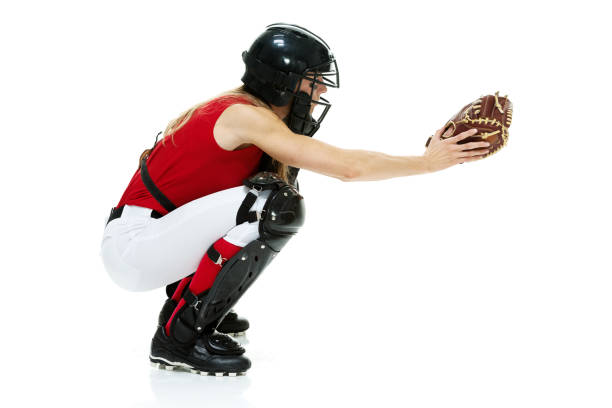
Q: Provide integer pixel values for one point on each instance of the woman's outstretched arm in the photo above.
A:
(240, 124)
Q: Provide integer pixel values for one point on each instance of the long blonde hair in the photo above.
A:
(174, 125)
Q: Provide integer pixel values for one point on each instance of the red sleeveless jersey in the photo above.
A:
(194, 165)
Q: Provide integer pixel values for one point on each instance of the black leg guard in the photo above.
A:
(182, 328)
(230, 324)
(281, 218)
(233, 280)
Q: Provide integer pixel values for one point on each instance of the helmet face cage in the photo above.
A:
(308, 123)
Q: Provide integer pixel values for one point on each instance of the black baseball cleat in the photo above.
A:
(233, 325)
(207, 352)
(211, 354)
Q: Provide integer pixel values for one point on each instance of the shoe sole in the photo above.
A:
(163, 364)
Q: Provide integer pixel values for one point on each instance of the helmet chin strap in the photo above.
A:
(299, 119)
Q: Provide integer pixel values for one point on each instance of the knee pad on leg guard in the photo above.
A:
(282, 216)
(283, 213)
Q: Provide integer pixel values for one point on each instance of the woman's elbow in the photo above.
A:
(351, 172)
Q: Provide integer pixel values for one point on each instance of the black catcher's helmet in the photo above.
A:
(276, 64)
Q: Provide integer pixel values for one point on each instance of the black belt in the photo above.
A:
(117, 211)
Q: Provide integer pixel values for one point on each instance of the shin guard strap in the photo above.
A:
(193, 300)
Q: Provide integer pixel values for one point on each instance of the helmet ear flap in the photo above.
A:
(275, 86)
(266, 91)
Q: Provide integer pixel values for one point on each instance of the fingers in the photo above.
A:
(472, 145)
(435, 137)
(472, 153)
(462, 135)
(471, 159)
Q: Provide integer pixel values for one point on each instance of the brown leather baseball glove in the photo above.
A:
(490, 114)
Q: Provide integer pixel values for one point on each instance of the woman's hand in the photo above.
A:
(444, 153)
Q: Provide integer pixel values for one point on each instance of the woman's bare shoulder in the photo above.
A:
(246, 123)
(242, 113)
(241, 124)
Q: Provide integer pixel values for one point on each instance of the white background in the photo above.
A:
(484, 285)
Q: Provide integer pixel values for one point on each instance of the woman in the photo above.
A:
(200, 213)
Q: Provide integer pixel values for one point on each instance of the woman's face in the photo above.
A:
(308, 86)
